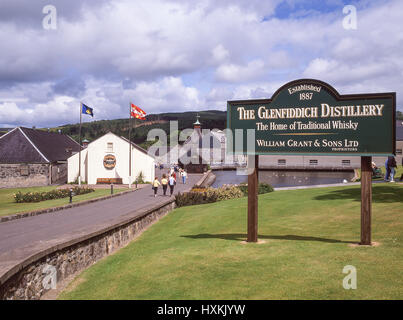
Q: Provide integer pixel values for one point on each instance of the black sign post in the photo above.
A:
(309, 116)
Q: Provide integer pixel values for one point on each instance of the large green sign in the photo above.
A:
(309, 116)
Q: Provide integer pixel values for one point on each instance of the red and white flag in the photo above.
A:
(137, 112)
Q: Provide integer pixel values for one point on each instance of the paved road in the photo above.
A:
(21, 238)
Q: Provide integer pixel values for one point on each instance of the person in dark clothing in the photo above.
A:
(164, 182)
(387, 170)
(392, 168)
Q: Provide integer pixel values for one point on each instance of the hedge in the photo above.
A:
(263, 188)
(207, 195)
(54, 194)
(201, 195)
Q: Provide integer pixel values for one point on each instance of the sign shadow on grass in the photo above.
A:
(242, 237)
(380, 194)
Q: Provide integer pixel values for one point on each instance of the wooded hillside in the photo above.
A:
(95, 129)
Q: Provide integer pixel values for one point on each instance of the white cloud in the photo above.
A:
(176, 55)
(260, 90)
(319, 67)
(220, 54)
(57, 111)
(238, 73)
(166, 95)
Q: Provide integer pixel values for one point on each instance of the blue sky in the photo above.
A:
(182, 55)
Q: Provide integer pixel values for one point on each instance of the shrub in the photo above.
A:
(244, 188)
(140, 178)
(263, 188)
(202, 195)
(226, 193)
(191, 198)
(53, 194)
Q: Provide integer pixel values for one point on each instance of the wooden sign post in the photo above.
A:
(366, 200)
(253, 184)
(309, 117)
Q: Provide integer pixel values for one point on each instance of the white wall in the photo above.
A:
(72, 167)
(142, 162)
(96, 152)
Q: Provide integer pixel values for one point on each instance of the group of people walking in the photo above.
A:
(168, 180)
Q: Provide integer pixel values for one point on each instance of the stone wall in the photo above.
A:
(27, 281)
(23, 175)
(59, 173)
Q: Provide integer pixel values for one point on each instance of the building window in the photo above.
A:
(345, 162)
(398, 151)
(281, 162)
(109, 147)
(313, 162)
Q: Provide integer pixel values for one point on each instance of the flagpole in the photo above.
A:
(130, 145)
(134, 125)
(79, 153)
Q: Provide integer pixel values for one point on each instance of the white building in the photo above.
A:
(206, 146)
(108, 157)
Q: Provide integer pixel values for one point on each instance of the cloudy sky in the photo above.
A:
(183, 55)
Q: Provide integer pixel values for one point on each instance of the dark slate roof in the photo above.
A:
(23, 145)
(15, 148)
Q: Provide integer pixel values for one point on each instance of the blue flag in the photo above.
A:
(86, 110)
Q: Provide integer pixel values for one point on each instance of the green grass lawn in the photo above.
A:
(196, 252)
(9, 206)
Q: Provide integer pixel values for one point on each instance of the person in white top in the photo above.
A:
(184, 176)
(171, 183)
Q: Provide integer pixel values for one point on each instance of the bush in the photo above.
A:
(140, 178)
(54, 194)
(202, 195)
(244, 188)
(263, 188)
(226, 193)
(191, 198)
